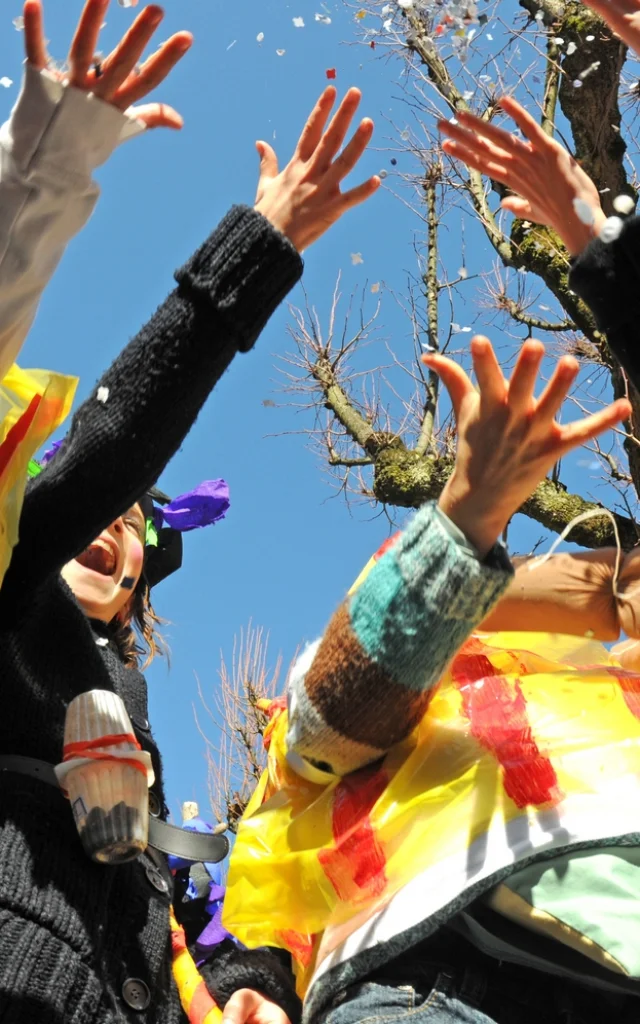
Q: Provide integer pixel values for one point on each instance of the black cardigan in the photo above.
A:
(607, 277)
(72, 933)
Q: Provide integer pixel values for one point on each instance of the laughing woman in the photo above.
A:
(80, 942)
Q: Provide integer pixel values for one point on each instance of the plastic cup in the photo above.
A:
(109, 795)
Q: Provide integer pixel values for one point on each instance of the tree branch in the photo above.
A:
(432, 294)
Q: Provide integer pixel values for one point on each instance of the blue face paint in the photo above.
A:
(128, 583)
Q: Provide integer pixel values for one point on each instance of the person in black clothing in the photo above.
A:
(82, 943)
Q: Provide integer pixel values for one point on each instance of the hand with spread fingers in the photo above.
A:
(545, 179)
(622, 16)
(305, 199)
(507, 439)
(118, 79)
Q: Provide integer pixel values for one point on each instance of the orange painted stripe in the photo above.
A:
(201, 1005)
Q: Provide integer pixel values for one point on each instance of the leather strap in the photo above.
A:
(193, 846)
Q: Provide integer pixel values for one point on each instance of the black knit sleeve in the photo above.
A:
(259, 969)
(122, 437)
(607, 277)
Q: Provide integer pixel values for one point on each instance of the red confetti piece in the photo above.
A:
(330, 72)
(372, 44)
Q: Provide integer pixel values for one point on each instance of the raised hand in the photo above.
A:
(117, 79)
(545, 178)
(305, 199)
(507, 439)
(623, 16)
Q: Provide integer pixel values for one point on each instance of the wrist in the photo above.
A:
(481, 527)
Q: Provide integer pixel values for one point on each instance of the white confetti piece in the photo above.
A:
(577, 84)
(571, 48)
(356, 259)
(539, 16)
(281, 53)
(405, 4)
(298, 22)
(231, 45)
(489, 37)
(588, 71)
(427, 347)
(387, 24)
(623, 205)
(324, 19)
(589, 39)
(468, 95)
(559, 41)
(382, 174)
(6, 82)
(387, 9)
(128, 3)
(102, 394)
(583, 211)
(463, 272)
(260, 37)
(18, 23)
(611, 229)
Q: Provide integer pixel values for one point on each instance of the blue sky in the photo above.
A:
(288, 549)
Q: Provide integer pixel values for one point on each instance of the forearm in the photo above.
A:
(572, 593)
(371, 678)
(49, 148)
(607, 277)
(117, 448)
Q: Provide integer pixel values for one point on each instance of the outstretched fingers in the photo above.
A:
(316, 123)
(158, 115)
(117, 67)
(523, 379)
(574, 434)
(85, 41)
(525, 122)
(335, 134)
(452, 376)
(491, 382)
(35, 47)
(551, 399)
(154, 70)
(352, 152)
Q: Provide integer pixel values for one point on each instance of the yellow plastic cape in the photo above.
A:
(33, 403)
(521, 724)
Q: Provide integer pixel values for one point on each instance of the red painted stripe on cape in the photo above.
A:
(17, 433)
(355, 865)
(497, 713)
(178, 941)
(629, 683)
(300, 946)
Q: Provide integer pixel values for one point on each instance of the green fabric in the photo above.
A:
(595, 892)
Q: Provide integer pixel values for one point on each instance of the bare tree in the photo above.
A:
(383, 430)
(237, 758)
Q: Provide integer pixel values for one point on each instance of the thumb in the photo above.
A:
(518, 206)
(452, 376)
(157, 115)
(268, 160)
(241, 1006)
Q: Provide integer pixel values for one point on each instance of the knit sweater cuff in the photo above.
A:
(245, 269)
(606, 276)
(257, 969)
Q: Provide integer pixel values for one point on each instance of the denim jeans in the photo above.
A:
(481, 993)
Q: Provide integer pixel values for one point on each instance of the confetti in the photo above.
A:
(324, 19)
(356, 259)
(489, 37)
(382, 174)
(611, 229)
(577, 84)
(468, 95)
(360, 15)
(539, 16)
(393, 161)
(623, 205)
(128, 3)
(231, 45)
(387, 24)
(462, 272)
(330, 72)
(587, 71)
(387, 9)
(281, 53)
(260, 37)
(6, 82)
(18, 23)
(589, 39)
(268, 403)
(375, 288)
(559, 41)
(571, 48)
(298, 22)
(102, 394)
(583, 211)
(405, 4)
(427, 347)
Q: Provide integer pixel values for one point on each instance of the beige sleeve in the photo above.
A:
(573, 593)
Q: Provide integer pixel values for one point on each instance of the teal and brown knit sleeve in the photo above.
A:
(366, 684)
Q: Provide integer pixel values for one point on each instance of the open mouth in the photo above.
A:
(99, 557)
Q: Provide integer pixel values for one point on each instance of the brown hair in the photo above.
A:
(139, 637)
